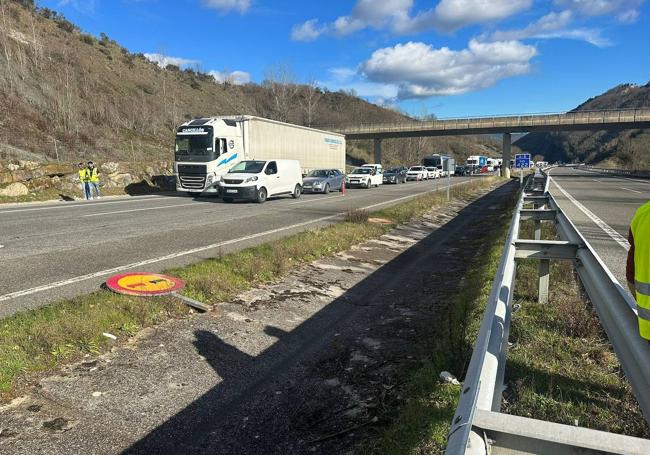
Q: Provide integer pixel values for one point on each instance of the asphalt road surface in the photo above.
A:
(602, 207)
(59, 250)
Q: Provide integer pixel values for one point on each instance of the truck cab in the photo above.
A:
(205, 149)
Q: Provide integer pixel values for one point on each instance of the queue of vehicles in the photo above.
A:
(253, 158)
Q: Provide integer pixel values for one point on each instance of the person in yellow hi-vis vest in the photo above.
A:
(83, 181)
(638, 267)
(92, 175)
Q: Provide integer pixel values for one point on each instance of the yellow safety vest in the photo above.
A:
(92, 175)
(641, 232)
(82, 175)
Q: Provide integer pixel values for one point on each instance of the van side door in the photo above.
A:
(273, 179)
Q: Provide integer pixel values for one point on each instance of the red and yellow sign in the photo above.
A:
(143, 283)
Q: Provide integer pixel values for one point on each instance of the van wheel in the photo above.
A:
(296, 192)
(261, 195)
(368, 185)
(327, 188)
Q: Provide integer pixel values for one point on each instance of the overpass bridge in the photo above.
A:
(615, 119)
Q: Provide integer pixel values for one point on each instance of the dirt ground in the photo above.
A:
(307, 365)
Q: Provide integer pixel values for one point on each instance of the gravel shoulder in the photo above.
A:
(305, 365)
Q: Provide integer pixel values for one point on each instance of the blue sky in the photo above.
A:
(443, 57)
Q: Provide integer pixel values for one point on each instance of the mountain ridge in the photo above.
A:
(626, 149)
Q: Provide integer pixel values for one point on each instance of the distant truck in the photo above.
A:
(444, 163)
(206, 148)
(476, 162)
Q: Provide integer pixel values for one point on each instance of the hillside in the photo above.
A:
(627, 149)
(66, 95)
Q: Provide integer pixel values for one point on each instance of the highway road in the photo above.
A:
(59, 250)
(601, 206)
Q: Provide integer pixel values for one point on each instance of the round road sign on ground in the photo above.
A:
(144, 283)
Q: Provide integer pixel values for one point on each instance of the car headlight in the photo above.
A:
(210, 178)
(318, 184)
(251, 179)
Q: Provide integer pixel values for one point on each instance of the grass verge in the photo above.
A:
(38, 341)
(422, 423)
(561, 366)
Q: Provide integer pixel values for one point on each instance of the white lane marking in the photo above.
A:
(133, 265)
(2, 246)
(634, 191)
(121, 268)
(84, 204)
(139, 210)
(314, 200)
(596, 180)
(618, 238)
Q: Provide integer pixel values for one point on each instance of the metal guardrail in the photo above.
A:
(513, 121)
(478, 427)
(643, 174)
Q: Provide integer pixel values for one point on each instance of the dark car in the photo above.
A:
(322, 181)
(462, 170)
(395, 175)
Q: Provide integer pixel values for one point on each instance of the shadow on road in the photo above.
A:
(244, 414)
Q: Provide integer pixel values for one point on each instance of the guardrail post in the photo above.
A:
(544, 275)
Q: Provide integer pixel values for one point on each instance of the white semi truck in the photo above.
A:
(207, 148)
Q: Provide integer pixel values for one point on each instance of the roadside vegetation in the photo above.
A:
(421, 423)
(38, 341)
(561, 367)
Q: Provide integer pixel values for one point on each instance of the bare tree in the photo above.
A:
(280, 82)
(309, 102)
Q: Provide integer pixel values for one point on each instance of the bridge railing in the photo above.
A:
(503, 121)
(478, 426)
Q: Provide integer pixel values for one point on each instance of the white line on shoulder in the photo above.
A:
(618, 238)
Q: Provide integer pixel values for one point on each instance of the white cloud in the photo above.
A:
(625, 11)
(232, 77)
(349, 79)
(225, 6)
(308, 31)
(451, 15)
(342, 74)
(164, 60)
(84, 6)
(419, 70)
(398, 17)
(553, 25)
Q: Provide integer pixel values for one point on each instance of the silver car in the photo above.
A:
(322, 181)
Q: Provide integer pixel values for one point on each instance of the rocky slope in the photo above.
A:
(22, 180)
(69, 96)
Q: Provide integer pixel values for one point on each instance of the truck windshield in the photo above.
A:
(248, 167)
(433, 161)
(195, 147)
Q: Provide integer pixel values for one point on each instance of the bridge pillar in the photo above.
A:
(377, 151)
(507, 154)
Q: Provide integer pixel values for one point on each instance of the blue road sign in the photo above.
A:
(522, 161)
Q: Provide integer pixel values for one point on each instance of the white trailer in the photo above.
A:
(441, 162)
(207, 148)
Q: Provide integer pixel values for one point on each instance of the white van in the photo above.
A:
(258, 180)
(377, 167)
